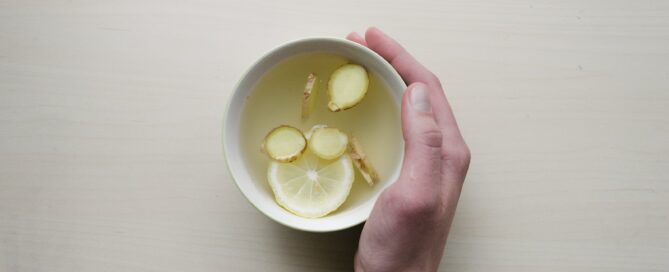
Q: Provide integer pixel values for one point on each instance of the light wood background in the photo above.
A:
(110, 126)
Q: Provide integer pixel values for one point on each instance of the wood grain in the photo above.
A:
(110, 124)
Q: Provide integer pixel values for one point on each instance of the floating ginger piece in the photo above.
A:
(311, 131)
(284, 143)
(361, 162)
(309, 95)
(328, 143)
(347, 87)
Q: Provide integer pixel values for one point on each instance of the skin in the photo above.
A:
(409, 225)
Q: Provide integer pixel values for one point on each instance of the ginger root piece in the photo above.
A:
(309, 95)
(328, 143)
(284, 144)
(311, 131)
(347, 87)
(361, 162)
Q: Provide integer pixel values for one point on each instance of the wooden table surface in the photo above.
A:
(110, 127)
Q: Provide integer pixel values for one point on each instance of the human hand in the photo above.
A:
(408, 227)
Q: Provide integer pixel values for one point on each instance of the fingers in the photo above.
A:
(410, 69)
(423, 139)
(443, 114)
(455, 153)
(355, 37)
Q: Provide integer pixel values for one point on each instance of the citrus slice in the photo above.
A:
(347, 87)
(310, 186)
(284, 143)
(328, 143)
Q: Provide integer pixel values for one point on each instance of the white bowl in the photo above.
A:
(259, 196)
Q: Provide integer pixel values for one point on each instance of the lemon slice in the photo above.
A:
(311, 187)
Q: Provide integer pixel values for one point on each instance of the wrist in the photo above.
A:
(357, 264)
(360, 265)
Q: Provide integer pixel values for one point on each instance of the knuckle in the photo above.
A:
(435, 79)
(418, 208)
(414, 206)
(465, 155)
(432, 138)
(461, 156)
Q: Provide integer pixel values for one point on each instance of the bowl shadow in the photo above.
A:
(308, 251)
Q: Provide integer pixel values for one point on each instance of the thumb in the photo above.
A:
(422, 137)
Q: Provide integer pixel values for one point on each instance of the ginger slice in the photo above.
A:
(309, 95)
(314, 128)
(347, 87)
(361, 162)
(328, 143)
(284, 144)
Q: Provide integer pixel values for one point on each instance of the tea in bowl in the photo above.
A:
(312, 133)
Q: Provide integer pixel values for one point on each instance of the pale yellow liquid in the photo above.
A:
(277, 100)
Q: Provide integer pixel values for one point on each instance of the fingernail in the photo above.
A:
(420, 98)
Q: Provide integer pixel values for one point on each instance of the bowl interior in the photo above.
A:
(258, 195)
